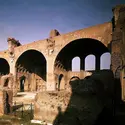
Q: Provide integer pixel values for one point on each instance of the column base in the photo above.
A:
(50, 87)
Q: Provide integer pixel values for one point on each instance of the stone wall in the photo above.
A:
(32, 82)
(117, 38)
(63, 77)
(6, 101)
(85, 100)
(47, 103)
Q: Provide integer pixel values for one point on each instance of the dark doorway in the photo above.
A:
(22, 82)
(59, 81)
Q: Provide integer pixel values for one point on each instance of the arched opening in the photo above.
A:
(4, 67)
(90, 62)
(74, 78)
(22, 82)
(60, 82)
(74, 82)
(76, 64)
(79, 48)
(5, 84)
(105, 61)
(31, 65)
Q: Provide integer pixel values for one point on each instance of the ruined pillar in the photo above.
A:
(12, 43)
(82, 63)
(33, 82)
(97, 63)
(50, 74)
(122, 79)
(118, 22)
(116, 58)
(6, 101)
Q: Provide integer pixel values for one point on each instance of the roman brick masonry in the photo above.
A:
(45, 67)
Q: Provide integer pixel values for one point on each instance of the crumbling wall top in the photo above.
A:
(118, 16)
(118, 6)
(13, 41)
(54, 33)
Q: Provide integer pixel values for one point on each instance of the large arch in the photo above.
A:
(4, 67)
(80, 48)
(32, 65)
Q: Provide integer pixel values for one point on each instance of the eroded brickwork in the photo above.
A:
(50, 71)
(83, 100)
(6, 101)
(45, 66)
(117, 38)
(50, 49)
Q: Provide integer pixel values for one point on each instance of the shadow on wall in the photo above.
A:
(91, 102)
(119, 104)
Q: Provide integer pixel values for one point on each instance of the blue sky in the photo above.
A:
(31, 20)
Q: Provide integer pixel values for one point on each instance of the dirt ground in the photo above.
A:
(25, 97)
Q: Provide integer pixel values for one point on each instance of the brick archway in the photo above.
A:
(32, 65)
(99, 48)
(101, 32)
(5, 67)
(78, 48)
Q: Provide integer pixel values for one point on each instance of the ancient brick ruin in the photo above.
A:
(6, 94)
(45, 66)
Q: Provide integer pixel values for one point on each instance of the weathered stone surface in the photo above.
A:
(49, 101)
(7, 81)
(83, 104)
(54, 33)
(6, 101)
(6, 94)
(50, 68)
(118, 40)
(50, 49)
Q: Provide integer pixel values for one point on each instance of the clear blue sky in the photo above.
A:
(30, 20)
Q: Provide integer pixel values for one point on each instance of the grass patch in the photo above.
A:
(18, 119)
